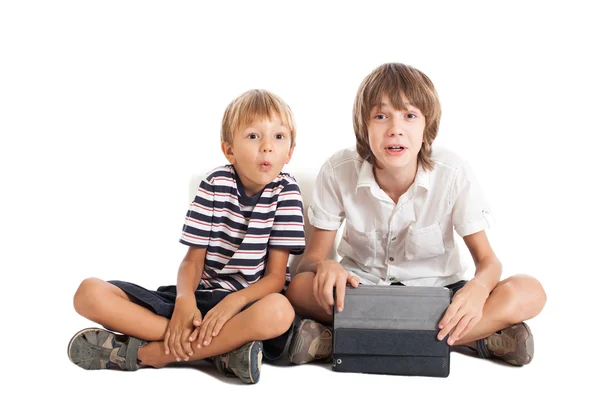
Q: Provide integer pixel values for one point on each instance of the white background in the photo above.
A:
(108, 110)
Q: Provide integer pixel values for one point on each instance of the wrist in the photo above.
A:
(185, 297)
(307, 266)
(322, 264)
(329, 265)
(239, 298)
(481, 285)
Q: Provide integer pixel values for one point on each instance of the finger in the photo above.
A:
(202, 332)
(180, 345)
(470, 326)
(185, 343)
(328, 289)
(317, 290)
(194, 334)
(448, 315)
(172, 346)
(179, 349)
(219, 325)
(450, 325)
(209, 331)
(353, 280)
(340, 291)
(327, 292)
(166, 341)
(197, 338)
(455, 334)
(197, 319)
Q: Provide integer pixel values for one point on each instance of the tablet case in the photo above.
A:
(391, 330)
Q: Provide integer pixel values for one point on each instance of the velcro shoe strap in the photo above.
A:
(131, 353)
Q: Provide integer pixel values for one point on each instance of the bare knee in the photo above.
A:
(299, 287)
(277, 315)
(89, 295)
(524, 295)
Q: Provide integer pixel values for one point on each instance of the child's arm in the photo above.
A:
(328, 273)
(317, 249)
(186, 314)
(273, 281)
(467, 305)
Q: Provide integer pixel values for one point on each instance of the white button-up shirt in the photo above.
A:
(411, 241)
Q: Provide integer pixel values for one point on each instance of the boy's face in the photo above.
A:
(259, 152)
(395, 136)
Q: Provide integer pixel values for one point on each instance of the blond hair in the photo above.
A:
(255, 104)
(395, 80)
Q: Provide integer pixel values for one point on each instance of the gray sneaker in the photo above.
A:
(95, 348)
(513, 345)
(312, 341)
(244, 362)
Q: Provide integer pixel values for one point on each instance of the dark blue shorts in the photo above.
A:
(162, 302)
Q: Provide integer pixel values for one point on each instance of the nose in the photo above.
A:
(266, 146)
(397, 127)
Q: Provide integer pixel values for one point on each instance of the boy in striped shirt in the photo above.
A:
(227, 305)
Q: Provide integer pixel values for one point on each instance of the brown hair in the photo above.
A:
(253, 105)
(395, 80)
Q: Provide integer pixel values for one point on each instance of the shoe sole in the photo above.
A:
(299, 353)
(81, 356)
(528, 348)
(255, 353)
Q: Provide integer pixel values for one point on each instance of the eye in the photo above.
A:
(380, 116)
(411, 115)
(252, 136)
(280, 136)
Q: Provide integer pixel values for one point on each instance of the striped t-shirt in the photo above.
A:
(237, 230)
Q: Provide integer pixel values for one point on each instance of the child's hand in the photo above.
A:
(216, 318)
(328, 274)
(464, 312)
(177, 337)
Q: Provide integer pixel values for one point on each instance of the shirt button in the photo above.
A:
(394, 238)
(391, 258)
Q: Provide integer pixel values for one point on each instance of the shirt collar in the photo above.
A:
(423, 178)
(366, 178)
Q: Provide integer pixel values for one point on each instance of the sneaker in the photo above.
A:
(244, 362)
(311, 341)
(95, 348)
(513, 345)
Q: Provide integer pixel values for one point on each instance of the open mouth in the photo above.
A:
(395, 148)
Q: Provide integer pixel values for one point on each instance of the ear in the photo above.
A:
(227, 150)
(289, 156)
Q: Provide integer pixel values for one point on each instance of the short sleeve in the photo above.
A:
(326, 211)
(470, 213)
(198, 220)
(288, 224)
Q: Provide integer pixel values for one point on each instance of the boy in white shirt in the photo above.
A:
(402, 200)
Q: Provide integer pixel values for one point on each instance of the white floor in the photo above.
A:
(553, 372)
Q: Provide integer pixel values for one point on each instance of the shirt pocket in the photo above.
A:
(362, 245)
(424, 242)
